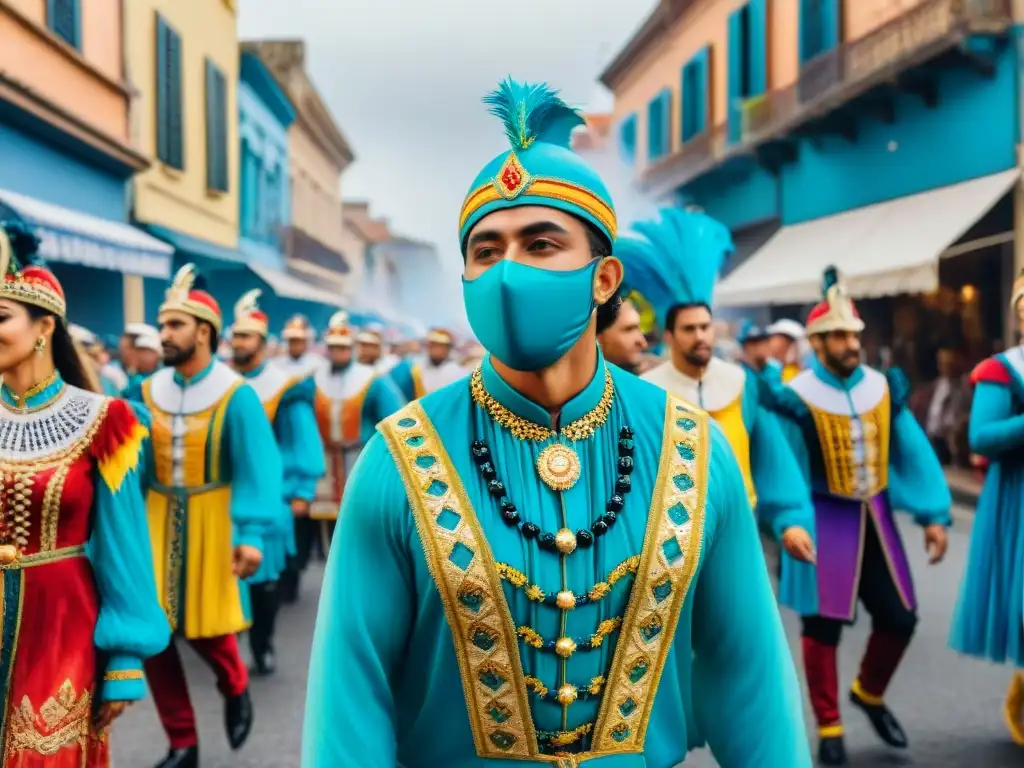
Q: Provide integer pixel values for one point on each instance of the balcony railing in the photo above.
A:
(852, 68)
(697, 155)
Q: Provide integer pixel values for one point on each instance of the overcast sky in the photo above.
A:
(404, 80)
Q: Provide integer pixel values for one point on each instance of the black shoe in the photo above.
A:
(238, 719)
(288, 594)
(883, 721)
(832, 751)
(181, 758)
(264, 664)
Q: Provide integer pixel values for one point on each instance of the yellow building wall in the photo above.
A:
(707, 22)
(164, 196)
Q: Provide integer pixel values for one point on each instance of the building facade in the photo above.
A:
(66, 154)
(876, 135)
(318, 155)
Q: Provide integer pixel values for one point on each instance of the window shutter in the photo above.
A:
(735, 74)
(163, 151)
(703, 66)
(666, 121)
(175, 122)
(758, 46)
(654, 126)
(64, 18)
(829, 24)
(627, 138)
(222, 132)
(211, 126)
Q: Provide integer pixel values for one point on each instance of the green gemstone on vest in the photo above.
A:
(672, 550)
(503, 740)
(472, 600)
(628, 707)
(650, 629)
(437, 488)
(483, 639)
(461, 556)
(683, 482)
(416, 441)
(499, 714)
(620, 732)
(406, 423)
(686, 424)
(492, 680)
(425, 461)
(448, 519)
(685, 452)
(662, 590)
(637, 671)
(677, 514)
(627, 443)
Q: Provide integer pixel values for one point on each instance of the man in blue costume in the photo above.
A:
(563, 550)
(989, 620)
(673, 263)
(864, 455)
(288, 403)
(754, 350)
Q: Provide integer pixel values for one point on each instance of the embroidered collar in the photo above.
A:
(832, 380)
(41, 395)
(527, 420)
(183, 382)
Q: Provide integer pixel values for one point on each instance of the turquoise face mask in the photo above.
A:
(529, 317)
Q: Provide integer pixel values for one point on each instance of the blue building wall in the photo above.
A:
(971, 132)
(39, 169)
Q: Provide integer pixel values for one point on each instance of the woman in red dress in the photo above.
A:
(78, 604)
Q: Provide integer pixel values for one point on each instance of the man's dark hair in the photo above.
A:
(599, 249)
(673, 312)
(214, 337)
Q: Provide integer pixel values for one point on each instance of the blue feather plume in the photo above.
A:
(532, 112)
(676, 259)
(24, 245)
(829, 278)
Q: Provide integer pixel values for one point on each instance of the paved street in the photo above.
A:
(950, 707)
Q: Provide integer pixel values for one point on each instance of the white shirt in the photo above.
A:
(719, 387)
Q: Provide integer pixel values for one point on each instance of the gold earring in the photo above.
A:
(40, 345)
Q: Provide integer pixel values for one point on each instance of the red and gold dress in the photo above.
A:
(78, 605)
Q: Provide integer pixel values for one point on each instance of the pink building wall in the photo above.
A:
(88, 84)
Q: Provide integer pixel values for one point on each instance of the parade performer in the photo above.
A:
(754, 350)
(418, 377)
(989, 619)
(865, 455)
(350, 400)
(288, 402)
(370, 350)
(555, 546)
(298, 359)
(215, 490)
(79, 610)
(618, 332)
(785, 338)
(681, 291)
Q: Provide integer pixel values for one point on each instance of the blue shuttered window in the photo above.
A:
(695, 81)
(250, 169)
(748, 60)
(170, 138)
(659, 121)
(64, 18)
(216, 129)
(273, 206)
(819, 27)
(627, 139)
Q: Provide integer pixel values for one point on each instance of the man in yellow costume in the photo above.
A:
(674, 263)
(214, 493)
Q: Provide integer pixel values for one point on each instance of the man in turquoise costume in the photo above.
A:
(288, 402)
(673, 262)
(754, 350)
(563, 550)
(865, 456)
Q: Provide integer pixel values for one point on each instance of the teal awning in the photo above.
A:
(204, 253)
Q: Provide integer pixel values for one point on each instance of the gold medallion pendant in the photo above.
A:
(559, 467)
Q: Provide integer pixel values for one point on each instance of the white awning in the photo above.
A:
(880, 250)
(289, 287)
(73, 237)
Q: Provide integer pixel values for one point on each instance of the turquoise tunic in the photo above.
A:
(403, 377)
(385, 686)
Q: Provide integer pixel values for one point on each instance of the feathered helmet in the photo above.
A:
(371, 334)
(25, 279)
(297, 327)
(249, 318)
(836, 311)
(186, 295)
(539, 169)
(439, 336)
(338, 333)
(674, 259)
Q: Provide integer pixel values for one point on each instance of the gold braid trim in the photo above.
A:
(519, 580)
(533, 638)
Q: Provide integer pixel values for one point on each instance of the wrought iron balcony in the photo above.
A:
(699, 154)
(850, 69)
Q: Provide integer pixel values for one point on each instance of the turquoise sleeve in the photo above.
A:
(386, 398)
(358, 645)
(401, 375)
(255, 470)
(302, 449)
(917, 483)
(131, 625)
(783, 497)
(746, 694)
(994, 429)
(146, 467)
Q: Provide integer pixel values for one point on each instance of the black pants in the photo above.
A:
(264, 618)
(877, 592)
(310, 535)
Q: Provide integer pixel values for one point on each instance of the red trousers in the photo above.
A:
(167, 681)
